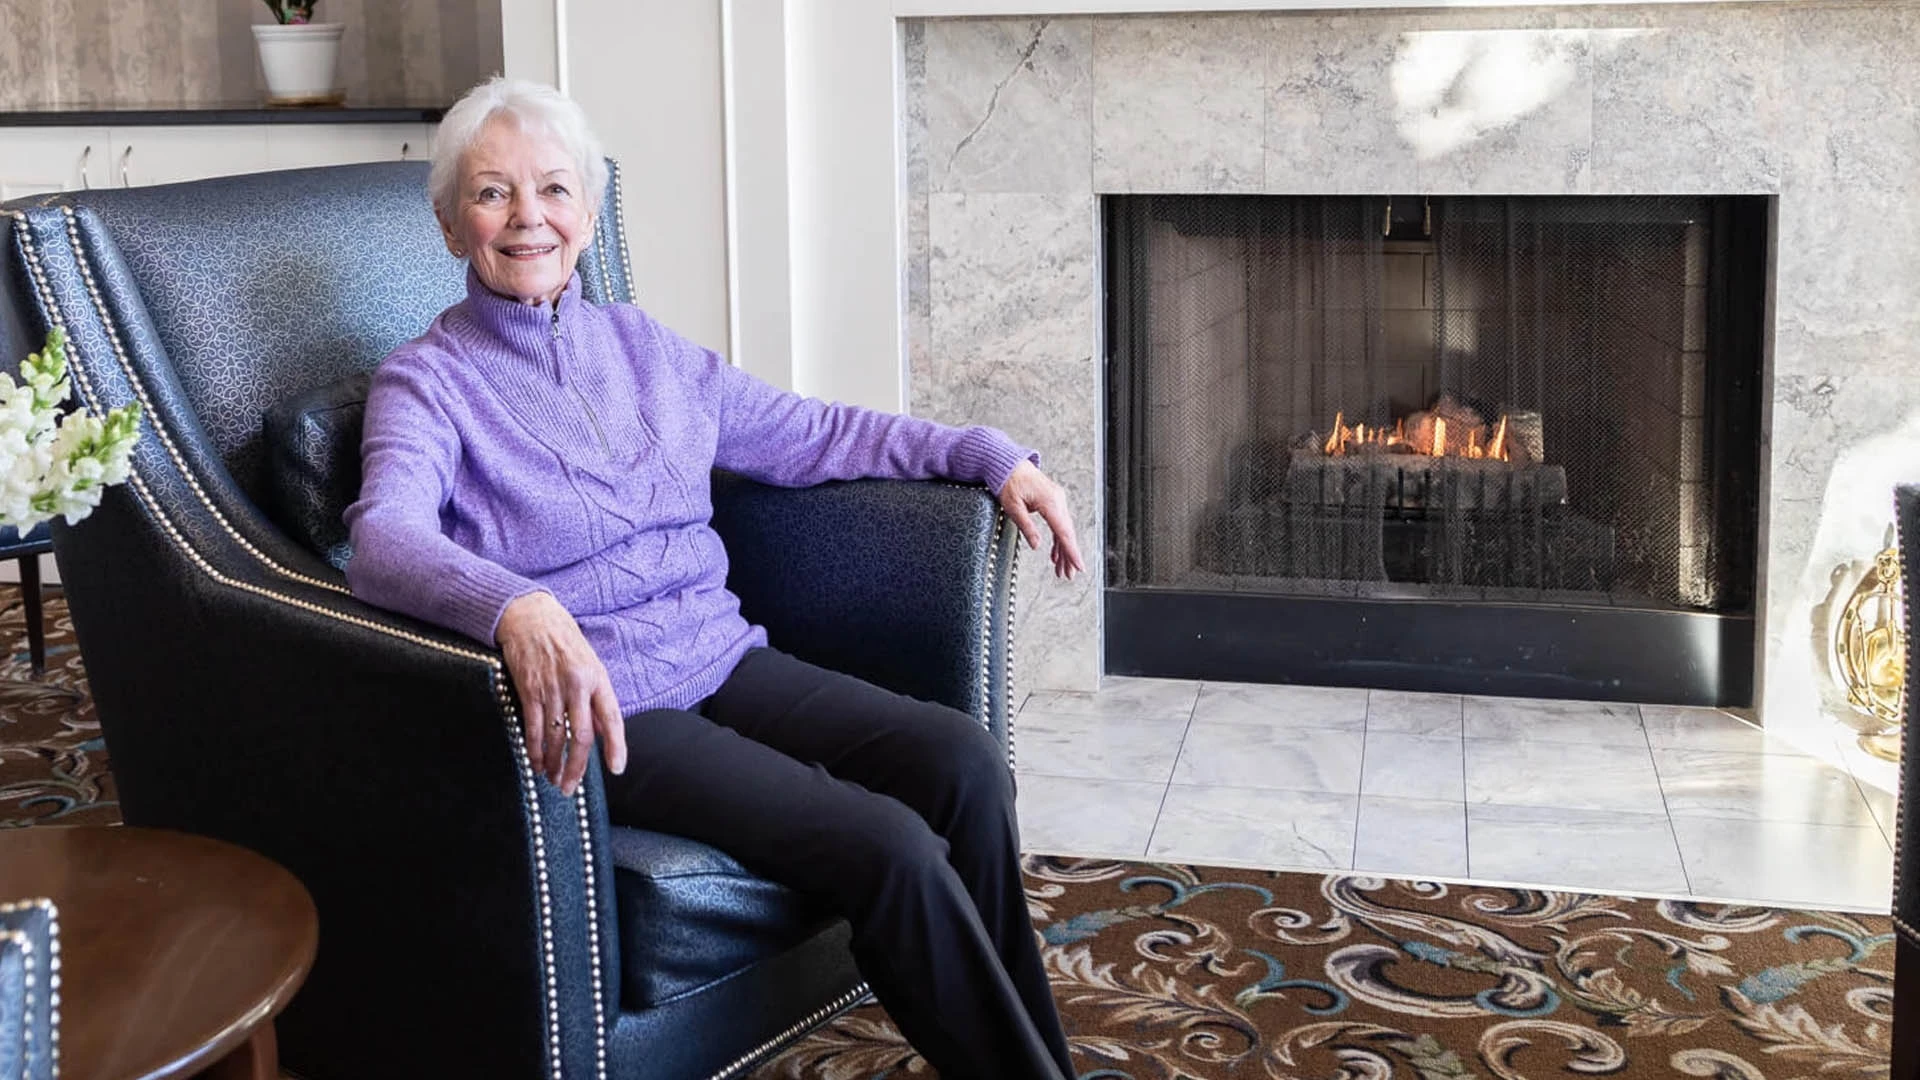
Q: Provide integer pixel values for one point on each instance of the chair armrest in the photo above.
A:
(907, 584)
(380, 761)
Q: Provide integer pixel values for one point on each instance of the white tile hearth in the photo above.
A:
(1105, 747)
(1786, 864)
(1414, 767)
(1582, 849)
(1762, 787)
(1411, 836)
(1256, 755)
(1414, 714)
(1599, 723)
(1236, 774)
(1254, 827)
(1077, 816)
(1545, 773)
(1332, 707)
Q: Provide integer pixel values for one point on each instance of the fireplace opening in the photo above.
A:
(1472, 444)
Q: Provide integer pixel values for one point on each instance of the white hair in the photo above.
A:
(538, 109)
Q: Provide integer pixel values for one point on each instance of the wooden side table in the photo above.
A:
(176, 951)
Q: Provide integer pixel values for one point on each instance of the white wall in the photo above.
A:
(648, 73)
(843, 201)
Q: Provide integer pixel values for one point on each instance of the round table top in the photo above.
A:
(173, 948)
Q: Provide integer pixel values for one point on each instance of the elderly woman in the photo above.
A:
(536, 477)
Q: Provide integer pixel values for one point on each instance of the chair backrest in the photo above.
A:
(258, 287)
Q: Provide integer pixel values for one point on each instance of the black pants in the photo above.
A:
(897, 814)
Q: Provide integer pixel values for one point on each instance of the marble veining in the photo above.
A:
(1009, 105)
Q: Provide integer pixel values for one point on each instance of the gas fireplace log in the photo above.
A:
(1415, 482)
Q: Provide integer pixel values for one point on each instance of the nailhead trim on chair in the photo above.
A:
(619, 208)
(812, 1020)
(496, 669)
(53, 978)
(1013, 595)
(84, 259)
(593, 940)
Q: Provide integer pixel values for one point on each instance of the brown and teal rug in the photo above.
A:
(1167, 971)
(53, 766)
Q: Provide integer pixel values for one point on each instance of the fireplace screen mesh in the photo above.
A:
(1527, 399)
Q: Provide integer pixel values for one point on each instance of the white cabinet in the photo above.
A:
(297, 146)
(37, 160)
(167, 155)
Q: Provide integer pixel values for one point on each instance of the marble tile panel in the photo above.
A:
(1257, 755)
(1413, 714)
(1125, 696)
(1411, 836)
(1331, 121)
(1787, 862)
(1679, 727)
(1845, 270)
(1414, 767)
(1764, 787)
(1683, 105)
(1248, 827)
(1337, 707)
(913, 153)
(1577, 849)
(1073, 816)
(1049, 406)
(1097, 747)
(1177, 104)
(1009, 105)
(1011, 277)
(1056, 626)
(1853, 120)
(1497, 111)
(1596, 722)
(1613, 778)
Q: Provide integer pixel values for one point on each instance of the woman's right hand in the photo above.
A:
(563, 689)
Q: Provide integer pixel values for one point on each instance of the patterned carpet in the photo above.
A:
(1166, 972)
(53, 766)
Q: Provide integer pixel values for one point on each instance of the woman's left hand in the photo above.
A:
(1027, 492)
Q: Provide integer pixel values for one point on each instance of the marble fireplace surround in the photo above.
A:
(1012, 129)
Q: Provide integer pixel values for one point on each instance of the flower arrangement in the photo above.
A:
(53, 464)
(292, 12)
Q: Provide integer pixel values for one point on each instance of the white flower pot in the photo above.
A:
(300, 62)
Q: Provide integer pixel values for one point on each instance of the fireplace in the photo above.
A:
(1465, 443)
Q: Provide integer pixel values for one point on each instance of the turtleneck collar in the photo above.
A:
(526, 328)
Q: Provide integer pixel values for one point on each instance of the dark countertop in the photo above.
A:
(248, 112)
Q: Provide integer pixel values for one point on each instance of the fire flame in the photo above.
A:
(1439, 440)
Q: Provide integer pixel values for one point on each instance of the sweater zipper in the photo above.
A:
(592, 420)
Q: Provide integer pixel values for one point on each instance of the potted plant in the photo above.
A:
(299, 56)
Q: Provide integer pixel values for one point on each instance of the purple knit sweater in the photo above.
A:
(511, 449)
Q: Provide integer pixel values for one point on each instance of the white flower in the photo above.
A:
(53, 464)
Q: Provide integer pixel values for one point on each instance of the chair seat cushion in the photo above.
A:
(690, 916)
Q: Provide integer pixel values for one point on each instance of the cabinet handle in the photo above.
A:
(404, 147)
(125, 156)
(86, 182)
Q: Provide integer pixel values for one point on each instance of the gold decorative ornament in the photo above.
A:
(1870, 653)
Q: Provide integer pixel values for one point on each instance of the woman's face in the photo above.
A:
(519, 214)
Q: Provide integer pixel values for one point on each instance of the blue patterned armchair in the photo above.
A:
(473, 921)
